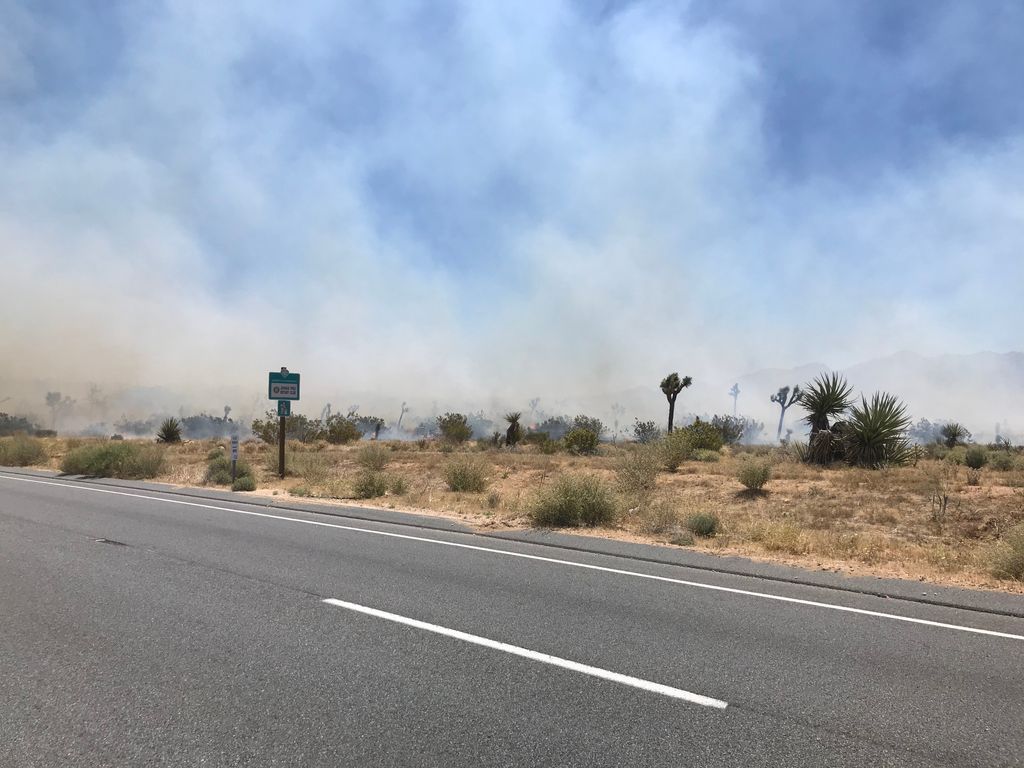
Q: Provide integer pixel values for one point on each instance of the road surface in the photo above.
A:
(139, 629)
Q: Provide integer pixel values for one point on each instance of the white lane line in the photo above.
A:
(526, 653)
(540, 558)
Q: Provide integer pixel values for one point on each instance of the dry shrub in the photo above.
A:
(129, 461)
(754, 474)
(22, 451)
(782, 537)
(574, 500)
(373, 457)
(369, 484)
(1008, 555)
(637, 472)
(466, 474)
(675, 448)
(657, 517)
(703, 524)
(313, 468)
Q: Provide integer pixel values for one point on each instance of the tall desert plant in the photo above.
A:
(170, 431)
(671, 386)
(954, 434)
(825, 399)
(514, 433)
(785, 397)
(875, 432)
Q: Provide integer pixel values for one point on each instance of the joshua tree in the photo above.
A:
(405, 410)
(618, 410)
(785, 397)
(672, 385)
(57, 405)
(514, 433)
(534, 402)
(734, 393)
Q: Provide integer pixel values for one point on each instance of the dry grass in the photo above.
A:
(923, 522)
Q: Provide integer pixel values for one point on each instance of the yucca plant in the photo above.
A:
(825, 398)
(875, 433)
(954, 434)
(514, 433)
(170, 431)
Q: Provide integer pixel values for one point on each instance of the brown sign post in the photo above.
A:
(283, 387)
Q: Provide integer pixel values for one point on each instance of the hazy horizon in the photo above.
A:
(477, 205)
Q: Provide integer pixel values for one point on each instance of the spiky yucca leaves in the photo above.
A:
(875, 433)
(170, 431)
(825, 398)
(514, 433)
(954, 434)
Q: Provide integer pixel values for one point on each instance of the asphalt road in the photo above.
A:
(142, 629)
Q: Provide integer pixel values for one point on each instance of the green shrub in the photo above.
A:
(369, 484)
(244, 483)
(956, 455)
(976, 457)
(645, 432)
(454, 428)
(637, 471)
(218, 470)
(705, 455)
(1001, 461)
(573, 500)
(21, 451)
(466, 474)
(581, 442)
(703, 524)
(129, 461)
(703, 436)
(536, 438)
(1008, 556)
(341, 430)
(11, 425)
(675, 448)
(549, 447)
(373, 456)
(589, 423)
(296, 427)
(754, 474)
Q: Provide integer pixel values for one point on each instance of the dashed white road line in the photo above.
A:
(538, 558)
(526, 653)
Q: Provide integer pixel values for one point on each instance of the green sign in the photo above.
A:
(283, 385)
(284, 407)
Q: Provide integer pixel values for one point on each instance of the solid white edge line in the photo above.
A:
(526, 653)
(541, 558)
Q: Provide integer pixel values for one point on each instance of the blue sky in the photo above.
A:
(490, 199)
